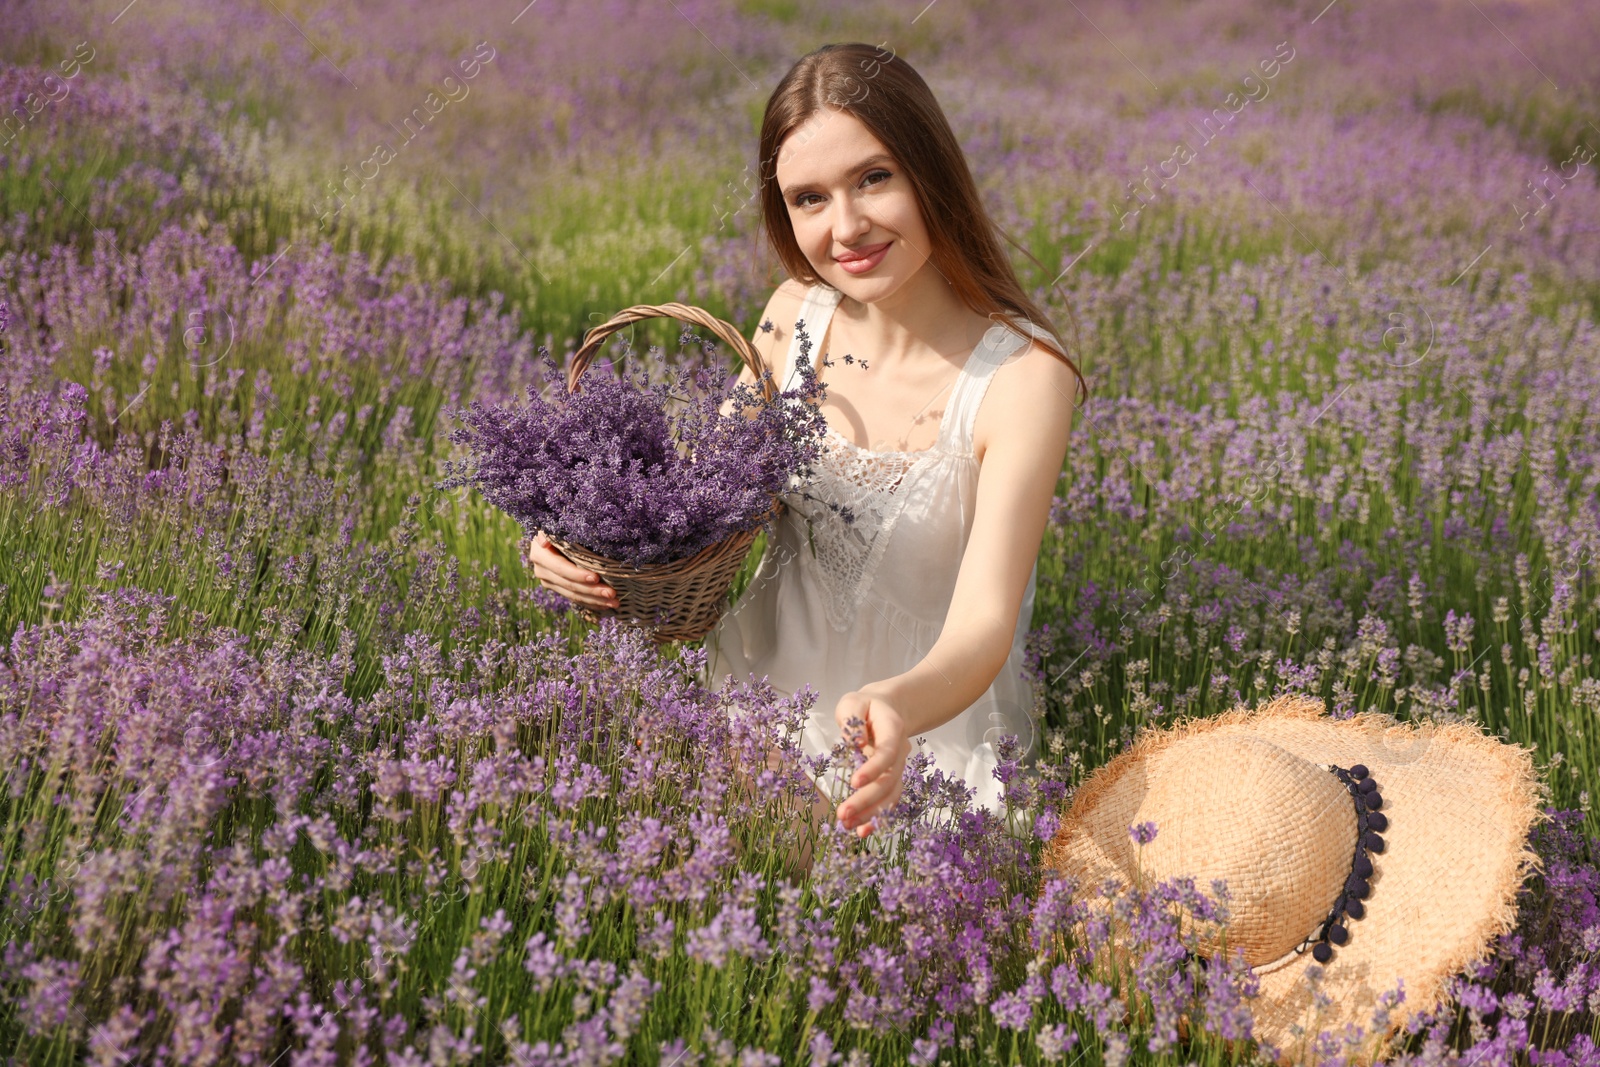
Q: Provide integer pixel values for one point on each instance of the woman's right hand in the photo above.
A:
(578, 584)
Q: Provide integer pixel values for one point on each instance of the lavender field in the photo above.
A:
(302, 767)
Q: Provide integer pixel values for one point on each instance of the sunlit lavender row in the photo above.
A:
(515, 854)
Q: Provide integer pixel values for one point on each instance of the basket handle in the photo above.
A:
(681, 312)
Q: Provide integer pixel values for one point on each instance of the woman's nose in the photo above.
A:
(850, 220)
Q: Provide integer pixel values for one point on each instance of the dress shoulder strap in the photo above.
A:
(815, 311)
(999, 342)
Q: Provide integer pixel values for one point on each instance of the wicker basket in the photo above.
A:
(682, 599)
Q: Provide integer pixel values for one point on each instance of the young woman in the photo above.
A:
(948, 428)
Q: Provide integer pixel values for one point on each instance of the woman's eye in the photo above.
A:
(800, 201)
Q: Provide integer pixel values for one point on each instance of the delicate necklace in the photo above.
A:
(916, 417)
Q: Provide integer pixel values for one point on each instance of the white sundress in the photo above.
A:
(872, 599)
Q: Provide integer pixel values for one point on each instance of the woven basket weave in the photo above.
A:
(681, 599)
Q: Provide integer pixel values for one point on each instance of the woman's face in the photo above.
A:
(845, 194)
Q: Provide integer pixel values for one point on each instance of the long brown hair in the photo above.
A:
(892, 101)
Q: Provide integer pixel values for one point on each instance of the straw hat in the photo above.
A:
(1393, 852)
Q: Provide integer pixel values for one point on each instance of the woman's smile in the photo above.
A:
(861, 264)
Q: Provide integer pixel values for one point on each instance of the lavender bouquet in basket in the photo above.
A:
(610, 469)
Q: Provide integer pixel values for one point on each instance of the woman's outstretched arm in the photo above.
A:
(1026, 421)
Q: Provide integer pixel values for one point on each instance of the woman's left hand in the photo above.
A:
(877, 782)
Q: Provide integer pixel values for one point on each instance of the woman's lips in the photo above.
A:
(872, 259)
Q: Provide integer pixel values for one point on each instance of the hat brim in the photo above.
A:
(1460, 804)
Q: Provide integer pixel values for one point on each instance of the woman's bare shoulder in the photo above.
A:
(773, 328)
(1033, 391)
(782, 310)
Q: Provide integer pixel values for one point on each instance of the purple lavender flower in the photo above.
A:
(733, 932)
(607, 468)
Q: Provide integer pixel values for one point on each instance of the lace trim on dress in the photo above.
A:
(857, 495)
(849, 514)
